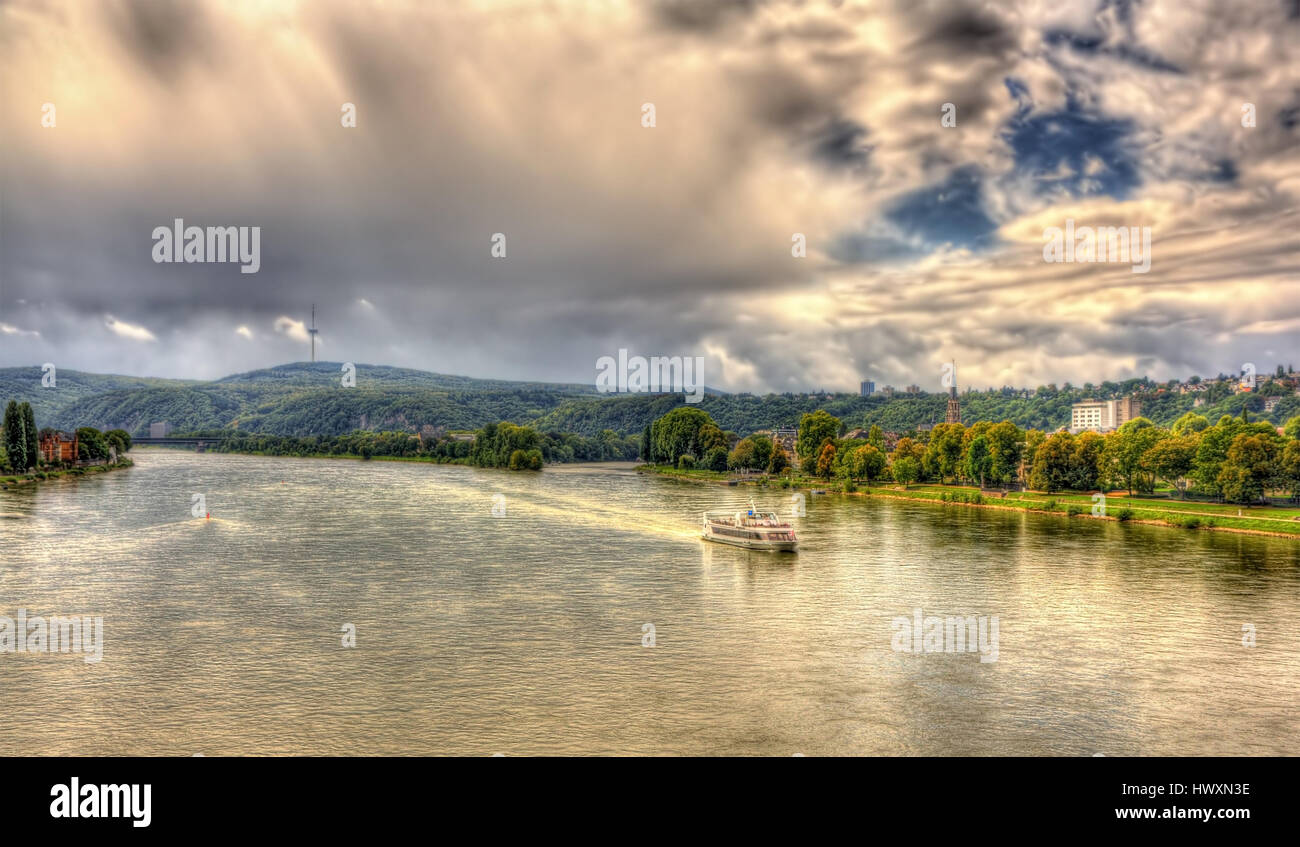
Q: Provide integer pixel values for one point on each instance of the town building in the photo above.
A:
(788, 438)
(1126, 409)
(1103, 415)
(953, 414)
(866, 388)
(58, 446)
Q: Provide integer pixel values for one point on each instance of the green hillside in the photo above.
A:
(1045, 410)
(24, 384)
(304, 398)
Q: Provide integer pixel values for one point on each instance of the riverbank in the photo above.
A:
(427, 460)
(16, 480)
(1178, 514)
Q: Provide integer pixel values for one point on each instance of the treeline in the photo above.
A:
(1233, 460)
(20, 443)
(1046, 408)
(497, 445)
(284, 410)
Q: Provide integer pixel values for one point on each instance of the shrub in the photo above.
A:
(1050, 505)
(685, 462)
(1190, 522)
(1125, 514)
(1074, 509)
(977, 499)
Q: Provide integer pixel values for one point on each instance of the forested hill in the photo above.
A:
(24, 384)
(328, 375)
(743, 413)
(308, 399)
(303, 398)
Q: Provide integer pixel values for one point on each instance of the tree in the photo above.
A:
(1085, 469)
(1212, 452)
(120, 439)
(1006, 441)
(29, 430)
(685, 431)
(716, 459)
(753, 453)
(1250, 469)
(826, 459)
(871, 461)
(1125, 450)
(979, 461)
(876, 437)
(779, 461)
(1053, 463)
(1289, 467)
(15, 438)
(943, 453)
(91, 445)
(1190, 423)
(742, 455)
(906, 470)
(1172, 459)
(1292, 428)
(814, 430)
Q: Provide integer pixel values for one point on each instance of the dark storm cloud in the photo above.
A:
(773, 119)
(163, 36)
(701, 16)
(961, 29)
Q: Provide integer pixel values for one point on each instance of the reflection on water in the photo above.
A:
(521, 634)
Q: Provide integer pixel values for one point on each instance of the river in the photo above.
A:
(520, 631)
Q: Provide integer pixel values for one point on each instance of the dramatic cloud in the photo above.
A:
(924, 241)
(297, 330)
(126, 330)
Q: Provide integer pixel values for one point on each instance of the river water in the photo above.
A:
(522, 631)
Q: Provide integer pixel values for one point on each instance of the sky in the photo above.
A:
(924, 241)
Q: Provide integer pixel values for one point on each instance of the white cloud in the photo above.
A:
(126, 330)
(297, 330)
(7, 329)
(244, 331)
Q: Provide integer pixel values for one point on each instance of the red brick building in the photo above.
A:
(58, 447)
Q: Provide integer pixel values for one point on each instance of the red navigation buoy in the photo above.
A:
(209, 516)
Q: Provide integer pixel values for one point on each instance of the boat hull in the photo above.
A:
(754, 544)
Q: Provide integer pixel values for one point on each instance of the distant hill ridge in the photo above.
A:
(306, 398)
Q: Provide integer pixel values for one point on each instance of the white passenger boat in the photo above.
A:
(751, 529)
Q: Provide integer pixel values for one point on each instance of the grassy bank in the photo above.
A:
(43, 476)
(1158, 511)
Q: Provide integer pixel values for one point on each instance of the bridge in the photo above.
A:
(198, 443)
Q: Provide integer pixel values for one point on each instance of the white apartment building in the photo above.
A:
(1103, 415)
